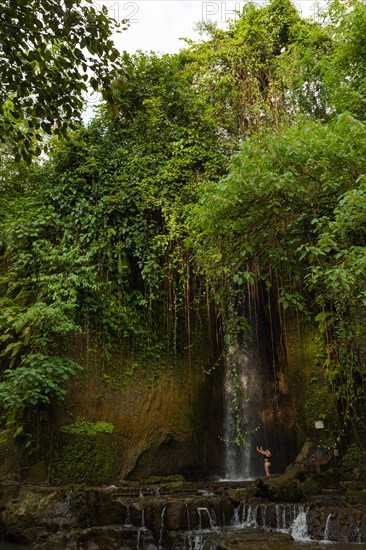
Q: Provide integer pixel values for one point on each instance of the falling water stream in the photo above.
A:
(245, 406)
(248, 409)
(238, 460)
(209, 531)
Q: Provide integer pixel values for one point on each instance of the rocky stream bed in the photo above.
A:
(177, 515)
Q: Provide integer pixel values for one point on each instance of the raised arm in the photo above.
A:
(261, 451)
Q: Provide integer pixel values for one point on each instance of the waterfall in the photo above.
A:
(211, 516)
(299, 527)
(65, 517)
(281, 516)
(213, 519)
(188, 520)
(249, 516)
(327, 528)
(128, 522)
(290, 518)
(235, 521)
(263, 509)
(163, 512)
(356, 535)
(238, 455)
(248, 410)
(201, 532)
(141, 530)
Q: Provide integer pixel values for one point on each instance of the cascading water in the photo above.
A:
(237, 456)
(290, 518)
(258, 404)
(148, 523)
(247, 411)
(327, 528)
(128, 522)
(163, 512)
(299, 526)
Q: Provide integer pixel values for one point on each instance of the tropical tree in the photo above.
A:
(344, 72)
(139, 221)
(92, 240)
(289, 219)
(287, 222)
(237, 70)
(50, 54)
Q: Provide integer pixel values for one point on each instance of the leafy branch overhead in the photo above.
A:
(51, 53)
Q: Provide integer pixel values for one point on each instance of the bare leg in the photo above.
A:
(267, 466)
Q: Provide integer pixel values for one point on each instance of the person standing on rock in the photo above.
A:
(267, 459)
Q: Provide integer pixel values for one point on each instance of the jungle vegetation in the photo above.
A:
(235, 164)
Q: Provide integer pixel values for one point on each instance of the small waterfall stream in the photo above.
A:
(163, 512)
(327, 527)
(207, 520)
(128, 522)
(290, 518)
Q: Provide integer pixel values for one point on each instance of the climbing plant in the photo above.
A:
(92, 239)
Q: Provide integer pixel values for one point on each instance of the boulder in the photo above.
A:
(279, 489)
(336, 522)
(245, 539)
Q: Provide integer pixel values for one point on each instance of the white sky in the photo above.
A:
(158, 25)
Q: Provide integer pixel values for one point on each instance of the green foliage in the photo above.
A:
(354, 457)
(37, 380)
(92, 240)
(82, 426)
(81, 458)
(48, 50)
(297, 175)
(236, 69)
(292, 208)
(345, 72)
(319, 404)
(139, 225)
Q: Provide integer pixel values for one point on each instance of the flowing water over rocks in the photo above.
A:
(183, 516)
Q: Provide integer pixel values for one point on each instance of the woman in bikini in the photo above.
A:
(267, 459)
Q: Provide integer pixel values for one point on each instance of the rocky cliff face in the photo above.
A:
(169, 515)
(161, 427)
(167, 413)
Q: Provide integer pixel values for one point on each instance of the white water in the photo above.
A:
(163, 512)
(299, 526)
(128, 522)
(249, 410)
(327, 528)
(238, 456)
(291, 518)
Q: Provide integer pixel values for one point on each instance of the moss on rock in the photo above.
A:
(280, 489)
(158, 480)
(80, 458)
(245, 494)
